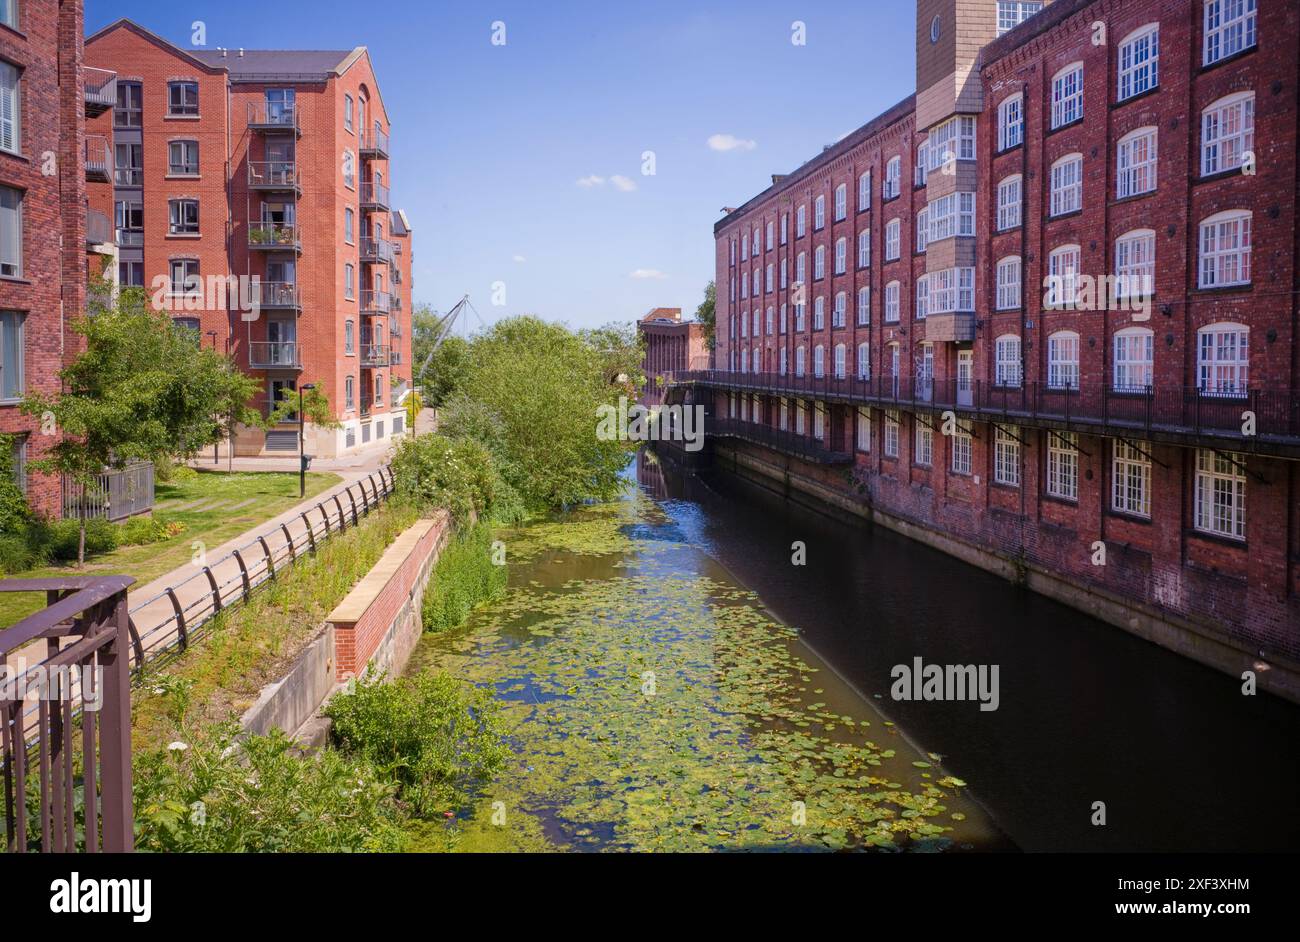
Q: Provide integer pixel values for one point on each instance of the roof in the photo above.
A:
(260, 64)
(401, 225)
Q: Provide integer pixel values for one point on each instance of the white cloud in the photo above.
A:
(623, 183)
(520, 258)
(642, 274)
(591, 181)
(725, 142)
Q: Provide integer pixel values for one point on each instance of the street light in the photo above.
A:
(302, 457)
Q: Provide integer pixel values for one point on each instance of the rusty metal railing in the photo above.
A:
(60, 795)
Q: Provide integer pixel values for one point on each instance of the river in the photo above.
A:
(672, 680)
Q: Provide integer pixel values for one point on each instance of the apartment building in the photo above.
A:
(49, 248)
(671, 345)
(250, 194)
(1042, 314)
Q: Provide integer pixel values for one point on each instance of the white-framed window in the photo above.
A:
(785, 228)
(891, 302)
(1135, 163)
(952, 140)
(922, 228)
(819, 212)
(951, 215)
(864, 248)
(1011, 13)
(744, 323)
(1227, 133)
(1063, 277)
(12, 382)
(924, 445)
(864, 305)
(349, 281)
(744, 285)
(1229, 28)
(893, 240)
(744, 245)
(1011, 121)
(1063, 465)
(819, 312)
(819, 263)
(768, 324)
(349, 169)
(11, 111)
(799, 311)
(819, 361)
(1130, 479)
(841, 202)
(864, 191)
(758, 313)
(757, 274)
(841, 255)
(783, 422)
(1139, 61)
(922, 297)
(840, 311)
(801, 267)
(1067, 95)
(732, 245)
(864, 361)
(1220, 493)
(1009, 203)
(952, 289)
(893, 177)
(785, 273)
(962, 448)
(1225, 249)
(771, 235)
(841, 361)
(891, 433)
(819, 421)
(1135, 264)
(1006, 365)
(1067, 184)
(11, 232)
(800, 221)
(1006, 456)
(1008, 295)
(757, 244)
(1134, 363)
(1223, 359)
(769, 278)
(800, 358)
(863, 437)
(920, 170)
(783, 320)
(1063, 360)
(782, 359)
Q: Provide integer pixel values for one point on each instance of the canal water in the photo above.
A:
(672, 680)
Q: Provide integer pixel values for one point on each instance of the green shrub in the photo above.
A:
(438, 737)
(140, 531)
(14, 512)
(19, 552)
(223, 794)
(464, 577)
(435, 471)
(101, 537)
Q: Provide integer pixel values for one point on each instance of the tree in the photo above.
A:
(621, 347)
(142, 390)
(706, 313)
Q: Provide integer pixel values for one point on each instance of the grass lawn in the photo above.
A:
(230, 504)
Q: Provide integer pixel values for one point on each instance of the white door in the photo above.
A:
(965, 377)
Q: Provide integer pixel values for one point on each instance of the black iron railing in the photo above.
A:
(783, 440)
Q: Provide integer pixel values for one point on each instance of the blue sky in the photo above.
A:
(489, 142)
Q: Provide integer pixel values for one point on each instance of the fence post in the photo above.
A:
(216, 591)
(325, 514)
(270, 563)
(243, 570)
(182, 632)
(115, 738)
(343, 524)
(288, 538)
(353, 499)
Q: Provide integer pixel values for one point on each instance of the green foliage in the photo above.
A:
(706, 313)
(258, 794)
(315, 409)
(14, 513)
(61, 537)
(141, 531)
(445, 367)
(18, 553)
(434, 471)
(414, 403)
(439, 738)
(621, 347)
(464, 577)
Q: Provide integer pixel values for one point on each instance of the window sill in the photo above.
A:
(15, 279)
(184, 235)
(1071, 502)
(1216, 538)
(1137, 97)
(1245, 287)
(1226, 60)
(1070, 215)
(1009, 150)
(1121, 200)
(183, 176)
(1128, 517)
(1064, 127)
(182, 117)
(1216, 176)
(15, 155)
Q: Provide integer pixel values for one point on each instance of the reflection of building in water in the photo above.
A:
(671, 345)
(650, 473)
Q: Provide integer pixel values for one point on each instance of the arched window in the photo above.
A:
(1063, 360)
(841, 255)
(1135, 163)
(864, 361)
(1135, 264)
(1067, 95)
(819, 262)
(841, 306)
(1227, 133)
(1007, 369)
(1008, 274)
(840, 361)
(1225, 249)
(1139, 61)
(841, 202)
(1134, 359)
(1011, 121)
(819, 360)
(1063, 276)
(1223, 359)
(799, 361)
(1067, 184)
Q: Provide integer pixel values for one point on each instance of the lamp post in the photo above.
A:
(302, 455)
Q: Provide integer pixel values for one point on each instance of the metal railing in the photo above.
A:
(274, 294)
(374, 355)
(272, 116)
(783, 440)
(376, 302)
(265, 354)
(99, 228)
(273, 174)
(376, 250)
(374, 141)
(99, 158)
(114, 495)
(100, 90)
(269, 235)
(374, 194)
(1174, 410)
(61, 796)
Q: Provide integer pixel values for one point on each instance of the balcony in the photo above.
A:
(377, 251)
(374, 145)
(100, 90)
(958, 327)
(268, 355)
(374, 196)
(274, 237)
(274, 175)
(99, 228)
(395, 305)
(374, 355)
(804, 447)
(269, 117)
(375, 302)
(99, 159)
(1180, 415)
(279, 295)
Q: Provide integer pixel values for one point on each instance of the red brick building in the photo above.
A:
(46, 251)
(273, 167)
(671, 345)
(1042, 314)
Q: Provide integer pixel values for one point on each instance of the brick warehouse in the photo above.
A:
(907, 326)
(271, 165)
(47, 248)
(671, 345)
